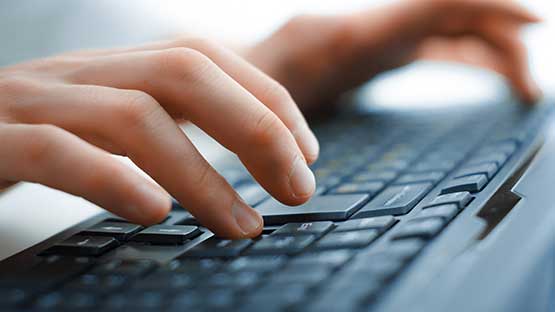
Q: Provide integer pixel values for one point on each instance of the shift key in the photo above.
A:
(394, 200)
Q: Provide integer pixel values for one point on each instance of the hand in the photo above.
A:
(317, 58)
(61, 117)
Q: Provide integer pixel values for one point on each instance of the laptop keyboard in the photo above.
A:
(387, 185)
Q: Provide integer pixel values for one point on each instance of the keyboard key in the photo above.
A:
(239, 279)
(472, 184)
(300, 275)
(461, 199)
(395, 200)
(118, 230)
(370, 188)
(314, 228)
(193, 267)
(166, 280)
(131, 268)
(331, 259)
(12, 297)
(81, 245)
(497, 158)
(167, 234)
(427, 166)
(257, 263)
(380, 176)
(353, 239)
(100, 283)
(410, 178)
(218, 247)
(321, 208)
(281, 244)
(267, 301)
(420, 228)
(379, 223)
(50, 272)
(447, 212)
(252, 193)
(488, 169)
(403, 249)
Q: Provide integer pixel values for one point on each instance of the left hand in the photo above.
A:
(317, 58)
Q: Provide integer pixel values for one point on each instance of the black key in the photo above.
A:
(281, 244)
(131, 268)
(266, 299)
(218, 247)
(353, 239)
(251, 193)
(100, 283)
(331, 259)
(507, 148)
(370, 188)
(461, 199)
(166, 280)
(379, 223)
(488, 169)
(314, 228)
(376, 266)
(403, 249)
(420, 228)
(118, 230)
(320, 208)
(397, 199)
(257, 263)
(84, 246)
(497, 158)
(167, 234)
(383, 176)
(50, 272)
(472, 184)
(240, 279)
(12, 297)
(300, 275)
(427, 166)
(193, 267)
(410, 178)
(447, 212)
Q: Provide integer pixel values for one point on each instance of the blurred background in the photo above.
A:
(30, 29)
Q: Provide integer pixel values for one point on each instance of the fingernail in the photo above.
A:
(248, 220)
(310, 145)
(154, 198)
(301, 179)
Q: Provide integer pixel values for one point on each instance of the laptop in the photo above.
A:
(415, 210)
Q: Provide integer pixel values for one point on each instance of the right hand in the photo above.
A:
(61, 117)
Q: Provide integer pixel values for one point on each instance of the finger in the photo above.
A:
(267, 90)
(53, 157)
(478, 9)
(514, 58)
(190, 85)
(138, 126)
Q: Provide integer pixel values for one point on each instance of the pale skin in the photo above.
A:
(62, 117)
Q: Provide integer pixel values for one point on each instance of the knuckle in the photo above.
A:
(16, 85)
(41, 145)
(184, 63)
(136, 109)
(297, 22)
(343, 31)
(266, 129)
(198, 43)
(277, 93)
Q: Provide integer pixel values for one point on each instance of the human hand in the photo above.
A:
(318, 58)
(61, 117)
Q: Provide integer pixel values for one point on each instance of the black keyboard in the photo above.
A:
(388, 184)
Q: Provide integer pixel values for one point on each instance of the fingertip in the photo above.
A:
(154, 204)
(248, 220)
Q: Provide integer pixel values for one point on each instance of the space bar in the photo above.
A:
(319, 208)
